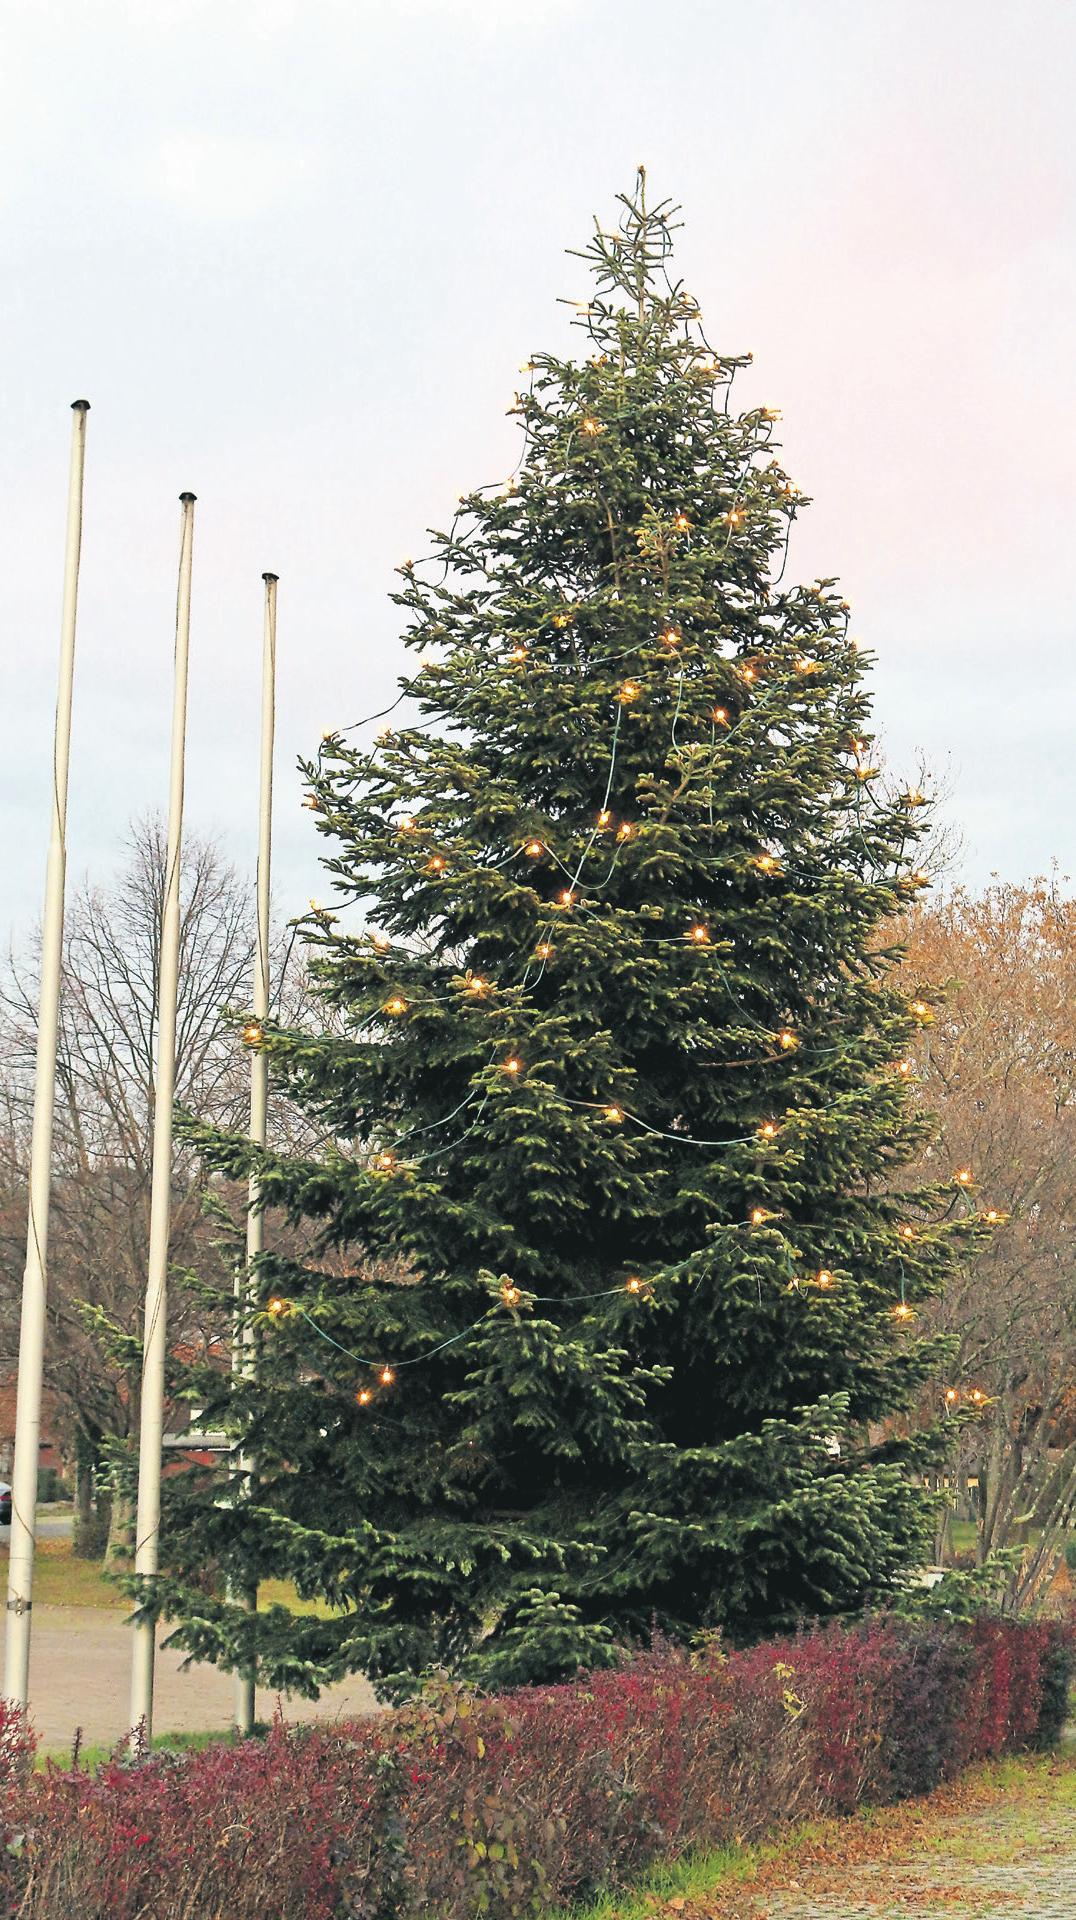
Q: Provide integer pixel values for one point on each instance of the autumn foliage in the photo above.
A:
(515, 1804)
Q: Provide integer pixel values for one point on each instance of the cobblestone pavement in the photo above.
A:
(1000, 1863)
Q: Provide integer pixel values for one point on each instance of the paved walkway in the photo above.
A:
(80, 1676)
(1003, 1861)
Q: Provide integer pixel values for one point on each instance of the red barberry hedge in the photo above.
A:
(516, 1804)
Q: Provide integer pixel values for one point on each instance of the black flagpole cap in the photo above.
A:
(188, 496)
(80, 406)
(270, 576)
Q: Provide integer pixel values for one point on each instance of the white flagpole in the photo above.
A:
(32, 1328)
(259, 1076)
(151, 1430)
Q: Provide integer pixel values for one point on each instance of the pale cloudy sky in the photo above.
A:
(294, 254)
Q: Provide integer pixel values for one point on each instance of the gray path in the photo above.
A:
(1004, 1863)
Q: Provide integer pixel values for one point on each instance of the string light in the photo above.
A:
(406, 823)
(682, 523)
(625, 831)
(747, 673)
(905, 1067)
(906, 1232)
(562, 619)
(604, 818)
(634, 1285)
(476, 984)
(566, 898)
(964, 1177)
(733, 517)
(952, 1395)
(386, 1376)
(902, 1311)
(252, 1034)
(518, 654)
(534, 849)
(364, 1396)
(629, 690)
(788, 1039)
(823, 1278)
(277, 1307)
(396, 1005)
(385, 1162)
(699, 935)
(977, 1396)
(921, 1010)
(767, 863)
(671, 637)
(543, 951)
(436, 863)
(768, 1130)
(720, 715)
(614, 1115)
(591, 426)
(994, 1218)
(513, 1064)
(758, 1215)
(510, 1295)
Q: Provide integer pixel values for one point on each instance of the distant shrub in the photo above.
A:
(514, 1805)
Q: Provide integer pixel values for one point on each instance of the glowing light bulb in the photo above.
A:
(614, 1115)
(905, 1067)
(276, 1307)
(252, 1034)
(476, 984)
(364, 1396)
(518, 654)
(534, 849)
(699, 935)
(625, 831)
(721, 716)
(436, 863)
(604, 817)
(629, 690)
(634, 1285)
(906, 1232)
(513, 1065)
(748, 673)
(758, 1216)
(386, 1376)
(566, 898)
(823, 1278)
(902, 1311)
(682, 523)
(767, 863)
(543, 951)
(787, 1039)
(995, 1218)
(562, 619)
(976, 1396)
(406, 823)
(671, 637)
(964, 1177)
(733, 517)
(768, 1130)
(510, 1295)
(385, 1162)
(920, 1009)
(396, 1005)
(951, 1394)
(591, 426)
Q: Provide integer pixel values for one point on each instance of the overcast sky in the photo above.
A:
(294, 254)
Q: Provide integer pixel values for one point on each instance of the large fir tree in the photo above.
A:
(622, 1096)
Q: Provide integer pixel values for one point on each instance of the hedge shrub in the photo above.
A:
(513, 1805)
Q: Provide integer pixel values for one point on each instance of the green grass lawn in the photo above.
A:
(61, 1579)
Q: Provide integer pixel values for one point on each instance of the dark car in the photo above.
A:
(5, 1504)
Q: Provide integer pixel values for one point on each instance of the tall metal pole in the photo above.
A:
(259, 1081)
(151, 1430)
(34, 1285)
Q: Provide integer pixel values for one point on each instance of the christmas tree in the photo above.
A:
(610, 1304)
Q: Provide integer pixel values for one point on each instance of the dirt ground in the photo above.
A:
(80, 1676)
